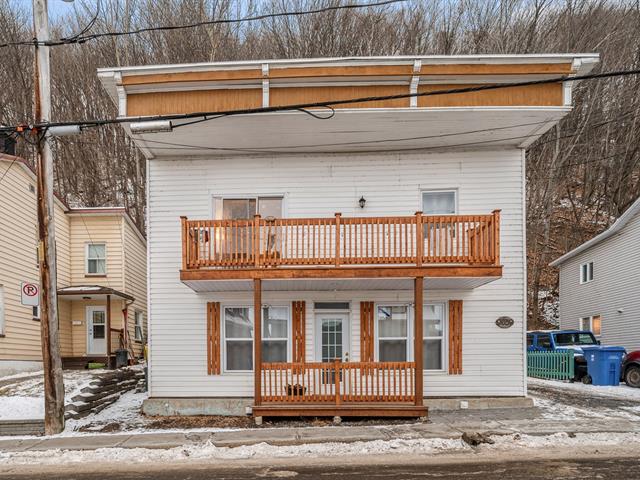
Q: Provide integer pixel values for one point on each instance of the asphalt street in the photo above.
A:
(596, 468)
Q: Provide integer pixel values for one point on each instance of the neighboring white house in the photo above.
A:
(600, 283)
(302, 224)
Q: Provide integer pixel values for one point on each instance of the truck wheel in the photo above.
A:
(587, 380)
(632, 376)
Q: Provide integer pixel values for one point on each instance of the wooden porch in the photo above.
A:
(358, 247)
(336, 388)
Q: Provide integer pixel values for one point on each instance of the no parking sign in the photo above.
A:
(30, 293)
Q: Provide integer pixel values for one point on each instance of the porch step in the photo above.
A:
(346, 410)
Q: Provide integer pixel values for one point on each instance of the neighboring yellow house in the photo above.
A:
(101, 261)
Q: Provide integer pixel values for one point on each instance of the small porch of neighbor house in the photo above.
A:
(411, 254)
(93, 325)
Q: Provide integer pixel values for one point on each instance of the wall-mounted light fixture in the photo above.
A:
(362, 202)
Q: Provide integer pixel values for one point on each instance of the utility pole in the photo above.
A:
(52, 363)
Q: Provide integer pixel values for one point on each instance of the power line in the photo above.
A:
(82, 38)
(330, 103)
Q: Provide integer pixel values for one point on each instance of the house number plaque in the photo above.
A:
(504, 322)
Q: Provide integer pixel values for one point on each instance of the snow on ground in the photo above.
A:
(208, 452)
(24, 398)
(621, 392)
(127, 411)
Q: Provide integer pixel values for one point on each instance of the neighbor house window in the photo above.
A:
(96, 259)
(1, 310)
(592, 323)
(433, 322)
(275, 334)
(392, 333)
(138, 320)
(586, 272)
(440, 202)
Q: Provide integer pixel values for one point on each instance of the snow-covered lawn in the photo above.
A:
(621, 392)
(24, 398)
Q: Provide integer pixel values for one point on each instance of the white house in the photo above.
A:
(289, 273)
(600, 283)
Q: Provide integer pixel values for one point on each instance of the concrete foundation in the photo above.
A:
(13, 367)
(242, 406)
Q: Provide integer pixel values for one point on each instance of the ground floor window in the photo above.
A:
(592, 323)
(395, 334)
(239, 335)
(275, 334)
(138, 320)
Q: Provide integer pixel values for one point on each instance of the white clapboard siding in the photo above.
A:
(615, 285)
(318, 186)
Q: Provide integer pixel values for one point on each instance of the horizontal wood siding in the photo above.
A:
(293, 95)
(193, 101)
(615, 285)
(318, 186)
(532, 95)
(135, 280)
(19, 263)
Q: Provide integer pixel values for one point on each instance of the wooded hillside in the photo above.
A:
(581, 176)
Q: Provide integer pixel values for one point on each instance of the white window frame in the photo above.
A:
(443, 338)
(440, 190)
(289, 333)
(224, 338)
(217, 202)
(410, 332)
(588, 277)
(138, 316)
(589, 321)
(2, 309)
(35, 309)
(376, 330)
(86, 259)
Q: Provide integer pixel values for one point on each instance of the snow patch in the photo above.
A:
(620, 392)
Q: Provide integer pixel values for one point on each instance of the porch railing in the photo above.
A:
(338, 241)
(338, 382)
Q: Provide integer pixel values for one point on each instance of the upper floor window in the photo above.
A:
(586, 272)
(439, 202)
(246, 208)
(138, 321)
(96, 254)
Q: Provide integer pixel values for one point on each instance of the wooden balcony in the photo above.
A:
(338, 388)
(281, 248)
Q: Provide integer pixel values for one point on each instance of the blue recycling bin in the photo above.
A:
(603, 364)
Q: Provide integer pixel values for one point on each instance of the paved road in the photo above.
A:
(601, 469)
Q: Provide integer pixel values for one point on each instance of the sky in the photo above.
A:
(57, 8)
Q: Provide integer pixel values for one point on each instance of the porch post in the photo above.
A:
(108, 331)
(257, 340)
(417, 339)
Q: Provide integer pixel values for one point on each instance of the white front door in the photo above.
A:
(332, 337)
(96, 331)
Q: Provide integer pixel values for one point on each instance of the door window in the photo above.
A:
(331, 331)
(98, 324)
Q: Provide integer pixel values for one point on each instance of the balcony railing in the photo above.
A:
(274, 242)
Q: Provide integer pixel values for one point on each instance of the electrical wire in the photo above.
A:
(330, 103)
(82, 38)
(86, 29)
